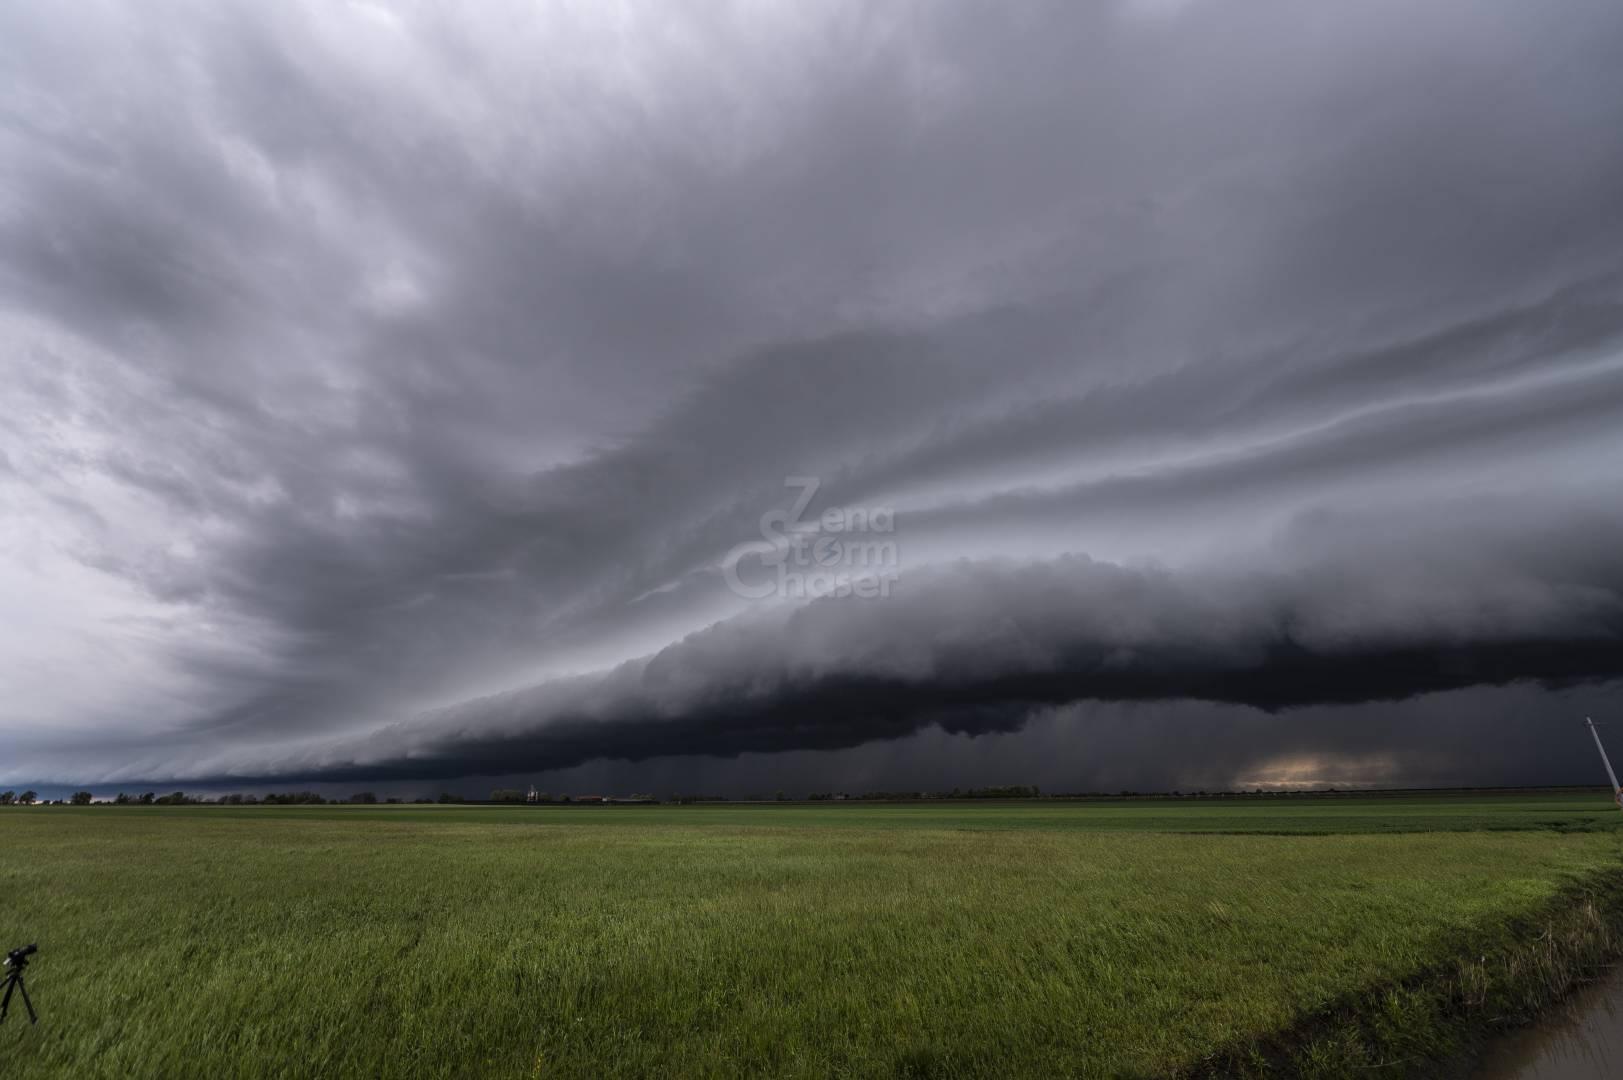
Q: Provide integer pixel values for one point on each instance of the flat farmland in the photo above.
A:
(1138, 938)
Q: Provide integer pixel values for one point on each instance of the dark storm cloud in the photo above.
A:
(384, 387)
(1349, 611)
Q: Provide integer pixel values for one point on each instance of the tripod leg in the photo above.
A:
(5, 1004)
(33, 1017)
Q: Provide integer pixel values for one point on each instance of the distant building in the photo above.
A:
(532, 795)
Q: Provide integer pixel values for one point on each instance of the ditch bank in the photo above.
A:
(1441, 1022)
(1579, 1039)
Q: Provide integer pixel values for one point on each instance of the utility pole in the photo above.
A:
(1617, 792)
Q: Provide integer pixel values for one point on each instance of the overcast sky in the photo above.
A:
(1171, 393)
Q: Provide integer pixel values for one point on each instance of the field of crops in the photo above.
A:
(1092, 939)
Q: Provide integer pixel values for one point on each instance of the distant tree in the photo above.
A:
(447, 797)
(7, 798)
(293, 798)
(28, 798)
(174, 798)
(543, 796)
(1011, 791)
(392, 800)
(81, 798)
(363, 797)
(122, 799)
(503, 794)
(422, 799)
(146, 798)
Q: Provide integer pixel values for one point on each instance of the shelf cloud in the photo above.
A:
(400, 395)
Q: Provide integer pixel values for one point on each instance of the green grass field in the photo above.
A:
(1042, 939)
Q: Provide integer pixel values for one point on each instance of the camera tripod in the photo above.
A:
(16, 960)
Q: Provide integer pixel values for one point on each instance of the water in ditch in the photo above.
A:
(1580, 1039)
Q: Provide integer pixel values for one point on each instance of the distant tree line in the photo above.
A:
(564, 800)
(513, 795)
(1010, 791)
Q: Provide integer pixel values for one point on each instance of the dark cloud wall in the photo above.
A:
(384, 388)
(1477, 737)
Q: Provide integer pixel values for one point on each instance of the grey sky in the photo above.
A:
(382, 388)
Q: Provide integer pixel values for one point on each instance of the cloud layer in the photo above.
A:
(384, 389)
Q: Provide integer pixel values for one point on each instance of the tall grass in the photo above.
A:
(791, 942)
